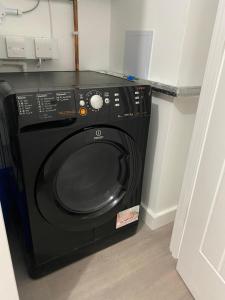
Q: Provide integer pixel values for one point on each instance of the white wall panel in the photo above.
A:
(200, 22)
(165, 18)
(94, 28)
(168, 145)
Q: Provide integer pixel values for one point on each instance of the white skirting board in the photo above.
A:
(157, 220)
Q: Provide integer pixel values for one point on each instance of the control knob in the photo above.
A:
(96, 101)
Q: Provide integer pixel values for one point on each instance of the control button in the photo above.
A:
(82, 103)
(137, 93)
(137, 98)
(117, 99)
(137, 102)
(116, 94)
(96, 101)
(83, 111)
(117, 104)
(107, 100)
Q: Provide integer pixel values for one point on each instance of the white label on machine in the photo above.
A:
(127, 216)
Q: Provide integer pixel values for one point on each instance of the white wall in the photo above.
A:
(170, 134)
(166, 18)
(94, 28)
(201, 18)
(179, 133)
(182, 33)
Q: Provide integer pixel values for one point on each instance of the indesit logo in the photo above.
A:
(98, 134)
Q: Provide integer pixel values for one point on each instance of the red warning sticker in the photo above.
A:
(127, 216)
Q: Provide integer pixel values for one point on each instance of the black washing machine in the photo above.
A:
(78, 142)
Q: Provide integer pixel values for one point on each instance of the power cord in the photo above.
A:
(33, 8)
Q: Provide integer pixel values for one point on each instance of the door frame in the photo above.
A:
(203, 118)
(8, 287)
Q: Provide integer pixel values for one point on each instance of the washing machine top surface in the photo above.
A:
(79, 79)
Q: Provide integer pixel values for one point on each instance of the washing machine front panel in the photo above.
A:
(78, 140)
(86, 179)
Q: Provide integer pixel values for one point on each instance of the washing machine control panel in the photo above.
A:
(45, 106)
(95, 104)
(119, 102)
(92, 100)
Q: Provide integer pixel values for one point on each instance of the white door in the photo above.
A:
(201, 261)
(8, 288)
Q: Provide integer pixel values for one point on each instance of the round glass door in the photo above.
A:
(91, 178)
(85, 181)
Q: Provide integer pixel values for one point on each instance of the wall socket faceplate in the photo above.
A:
(43, 48)
(15, 47)
(26, 48)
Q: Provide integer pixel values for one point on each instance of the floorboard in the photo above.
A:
(138, 268)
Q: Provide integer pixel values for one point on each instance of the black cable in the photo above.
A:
(33, 8)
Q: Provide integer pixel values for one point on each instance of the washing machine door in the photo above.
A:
(86, 179)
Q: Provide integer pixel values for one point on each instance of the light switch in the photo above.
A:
(15, 46)
(43, 48)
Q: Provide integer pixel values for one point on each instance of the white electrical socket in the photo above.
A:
(27, 47)
(43, 48)
(15, 47)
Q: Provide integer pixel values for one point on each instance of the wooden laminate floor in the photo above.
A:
(139, 268)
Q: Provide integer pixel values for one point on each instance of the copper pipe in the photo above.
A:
(76, 37)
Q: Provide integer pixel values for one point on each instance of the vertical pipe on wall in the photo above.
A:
(76, 36)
